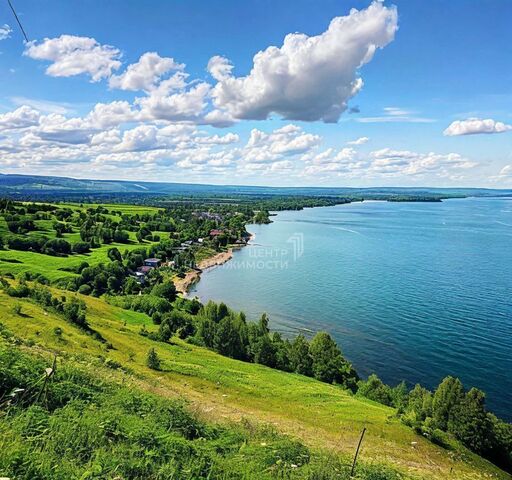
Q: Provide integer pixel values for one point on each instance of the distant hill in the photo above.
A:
(44, 186)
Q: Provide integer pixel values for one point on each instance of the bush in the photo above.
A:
(57, 246)
(153, 360)
(81, 247)
(85, 289)
(375, 390)
(165, 290)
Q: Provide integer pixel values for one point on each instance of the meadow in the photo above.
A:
(220, 390)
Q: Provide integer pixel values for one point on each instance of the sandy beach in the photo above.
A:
(183, 284)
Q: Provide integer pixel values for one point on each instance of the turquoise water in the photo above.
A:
(412, 291)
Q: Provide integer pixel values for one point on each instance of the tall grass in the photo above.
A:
(83, 426)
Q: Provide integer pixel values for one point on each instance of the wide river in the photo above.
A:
(412, 291)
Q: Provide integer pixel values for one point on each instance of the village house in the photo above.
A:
(208, 216)
(215, 232)
(152, 262)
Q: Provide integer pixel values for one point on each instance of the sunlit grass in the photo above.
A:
(322, 415)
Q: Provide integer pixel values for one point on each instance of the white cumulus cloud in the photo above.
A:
(472, 126)
(307, 78)
(22, 117)
(146, 73)
(71, 55)
(219, 68)
(359, 141)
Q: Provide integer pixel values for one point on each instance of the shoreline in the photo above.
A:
(193, 276)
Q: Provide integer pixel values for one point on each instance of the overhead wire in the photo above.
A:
(17, 20)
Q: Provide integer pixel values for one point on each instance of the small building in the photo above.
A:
(152, 262)
(215, 232)
(144, 270)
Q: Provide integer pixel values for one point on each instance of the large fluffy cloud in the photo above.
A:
(307, 78)
(472, 126)
(22, 117)
(186, 105)
(71, 55)
(146, 73)
(285, 141)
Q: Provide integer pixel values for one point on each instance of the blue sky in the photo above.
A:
(396, 93)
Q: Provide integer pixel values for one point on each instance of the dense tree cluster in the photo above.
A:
(449, 409)
(48, 246)
(219, 328)
(44, 228)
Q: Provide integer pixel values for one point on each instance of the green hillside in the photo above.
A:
(223, 390)
(69, 286)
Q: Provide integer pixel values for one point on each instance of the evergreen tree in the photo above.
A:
(114, 254)
(153, 360)
(263, 324)
(227, 340)
(264, 352)
(282, 349)
(400, 396)
(205, 332)
(420, 403)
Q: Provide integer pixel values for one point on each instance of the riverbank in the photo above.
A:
(193, 276)
(183, 284)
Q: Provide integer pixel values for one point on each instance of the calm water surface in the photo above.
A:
(412, 291)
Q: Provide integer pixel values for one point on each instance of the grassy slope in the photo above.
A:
(221, 388)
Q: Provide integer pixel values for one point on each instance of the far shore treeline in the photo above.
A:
(106, 251)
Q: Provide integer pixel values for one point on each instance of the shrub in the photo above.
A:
(85, 289)
(153, 360)
(81, 247)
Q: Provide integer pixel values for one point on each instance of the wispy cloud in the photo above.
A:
(5, 31)
(398, 119)
(396, 115)
(45, 106)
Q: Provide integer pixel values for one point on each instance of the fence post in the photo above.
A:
(357, 453)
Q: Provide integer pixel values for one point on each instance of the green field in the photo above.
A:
(223, 390)
(52, 267)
